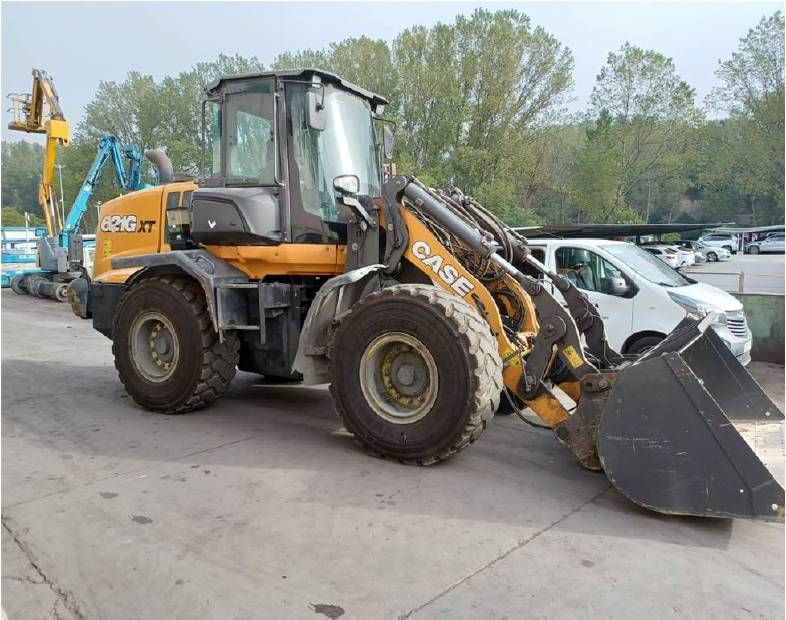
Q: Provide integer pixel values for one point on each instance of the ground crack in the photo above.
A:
(521, 543)
(67, 598)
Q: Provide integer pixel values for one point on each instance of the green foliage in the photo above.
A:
(744, 154)
(21, 172)
(479, 103)
(13, 217)
(644, 115)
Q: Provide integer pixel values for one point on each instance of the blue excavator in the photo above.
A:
(60, 255)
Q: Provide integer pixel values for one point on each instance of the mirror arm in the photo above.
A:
(354, 204)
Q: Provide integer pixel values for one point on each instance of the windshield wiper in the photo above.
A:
(667, 284)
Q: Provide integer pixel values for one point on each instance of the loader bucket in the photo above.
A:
(667, 437)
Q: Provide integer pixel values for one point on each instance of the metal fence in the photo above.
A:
(740, 278)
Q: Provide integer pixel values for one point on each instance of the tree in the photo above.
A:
(21, 171)
(598, 175)
(746, 151)
(475, 96)
(651, 112)
(13, 217)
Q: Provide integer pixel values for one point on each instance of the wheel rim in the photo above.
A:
(155, 348)
(399, 378)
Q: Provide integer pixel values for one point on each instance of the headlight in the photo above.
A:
(696, 308)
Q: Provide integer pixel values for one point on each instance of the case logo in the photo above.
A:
(125, 223)
(448, 273)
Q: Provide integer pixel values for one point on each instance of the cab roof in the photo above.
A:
(303, 74)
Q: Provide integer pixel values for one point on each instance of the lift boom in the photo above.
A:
(29, 116)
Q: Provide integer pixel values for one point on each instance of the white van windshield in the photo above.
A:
(646, 265)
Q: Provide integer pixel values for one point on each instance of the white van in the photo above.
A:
(640, 298)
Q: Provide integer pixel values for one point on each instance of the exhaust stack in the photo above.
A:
(163, 164)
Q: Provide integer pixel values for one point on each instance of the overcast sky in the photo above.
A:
(80, 44)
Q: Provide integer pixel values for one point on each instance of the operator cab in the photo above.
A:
(275, 142)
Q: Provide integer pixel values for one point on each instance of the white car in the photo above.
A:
(687, 257)
(667, 256)
(710, 253)
(772, 243)
(640, 299)
(721, 240)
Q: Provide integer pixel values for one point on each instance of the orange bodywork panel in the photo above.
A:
(291, 259)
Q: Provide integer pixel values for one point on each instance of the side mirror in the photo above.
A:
(347, 184)
(617, 286)
(315, 111)
(388, 141)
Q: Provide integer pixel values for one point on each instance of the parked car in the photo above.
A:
(720, 240)
(667, 256)
(710, 253)
(771, 243)
(685, 257)
(640, 298)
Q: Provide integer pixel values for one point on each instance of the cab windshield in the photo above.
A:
(646, 265)
(346, 146)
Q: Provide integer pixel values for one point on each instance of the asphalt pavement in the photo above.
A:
(764, 273)
(263, 507)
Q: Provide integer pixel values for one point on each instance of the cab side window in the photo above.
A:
(586, 269)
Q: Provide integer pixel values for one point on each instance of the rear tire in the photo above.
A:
(19, 285)
(644, 344)
(753, 250)
(166, 352)
(416, 375)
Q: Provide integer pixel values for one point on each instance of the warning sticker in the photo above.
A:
(574, 359)
(107, 248)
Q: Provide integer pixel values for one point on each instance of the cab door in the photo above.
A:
(602, 283)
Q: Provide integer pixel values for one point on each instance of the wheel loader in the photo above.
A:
(299, 256)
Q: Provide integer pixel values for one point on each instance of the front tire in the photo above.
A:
(753, 250)
(712, 257)
(416, 373)
(644, 344)
(166, 352)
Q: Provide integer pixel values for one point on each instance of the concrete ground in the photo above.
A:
(260, 507)
(764, 273)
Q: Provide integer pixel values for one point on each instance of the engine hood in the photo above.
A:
(710, 295)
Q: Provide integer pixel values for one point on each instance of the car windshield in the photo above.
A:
(646, 265)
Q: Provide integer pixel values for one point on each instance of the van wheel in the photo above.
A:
(644, 344)
(753, 250)
(712, 257)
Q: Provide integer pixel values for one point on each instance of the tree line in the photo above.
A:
(481, 103)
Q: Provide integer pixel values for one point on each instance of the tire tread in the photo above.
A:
(484, 360)
(219, 359)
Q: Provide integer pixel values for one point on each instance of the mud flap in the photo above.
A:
(667, 438)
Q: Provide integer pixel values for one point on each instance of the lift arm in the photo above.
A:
(28, 116)
(109, 147)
